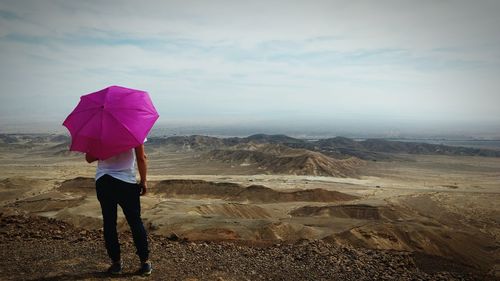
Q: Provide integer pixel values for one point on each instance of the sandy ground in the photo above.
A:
(438, 205)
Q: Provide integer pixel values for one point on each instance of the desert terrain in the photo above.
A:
(438, 203)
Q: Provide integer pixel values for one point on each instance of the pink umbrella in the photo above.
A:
(110, 121)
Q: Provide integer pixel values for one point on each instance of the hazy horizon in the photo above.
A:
(304, 130)
(364, 68)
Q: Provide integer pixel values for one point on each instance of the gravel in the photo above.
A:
(38, 248)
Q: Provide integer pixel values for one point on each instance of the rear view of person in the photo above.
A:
(110, 126)
(116, 185)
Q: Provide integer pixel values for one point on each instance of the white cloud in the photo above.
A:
(389, 58)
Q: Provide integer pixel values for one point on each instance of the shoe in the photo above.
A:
(145, 269)
(115, 268)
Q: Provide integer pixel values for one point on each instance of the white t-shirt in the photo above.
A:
(121, 166)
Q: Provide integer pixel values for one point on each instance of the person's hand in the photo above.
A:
(144, 188)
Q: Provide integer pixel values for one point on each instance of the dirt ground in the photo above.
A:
(37, 248)
(441, 206)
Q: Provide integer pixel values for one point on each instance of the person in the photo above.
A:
(116, 185)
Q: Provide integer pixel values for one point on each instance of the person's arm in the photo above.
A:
(90, 158)
(142, 166)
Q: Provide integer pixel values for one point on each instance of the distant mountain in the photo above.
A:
(198, 142)
(194, 142)
(335, 148)
(9, 139)
(339, 147)
(33, 138)
(263, 138)
(379, 147)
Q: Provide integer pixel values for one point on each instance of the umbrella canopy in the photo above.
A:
(110, 121)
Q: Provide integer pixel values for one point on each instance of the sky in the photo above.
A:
(373, 66)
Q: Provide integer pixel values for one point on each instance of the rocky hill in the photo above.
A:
(236, 192)
(281, 159)
(338, 147)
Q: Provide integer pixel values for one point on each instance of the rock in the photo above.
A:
(304, 260)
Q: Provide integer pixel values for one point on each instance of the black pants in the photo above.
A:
(112, 192)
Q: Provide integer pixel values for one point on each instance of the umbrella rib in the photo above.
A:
(137, 109)
(132, 91)
(84, 110)
(144, 95)
(126, 128)
(84, 123)
(90, 99)
(100, 131)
